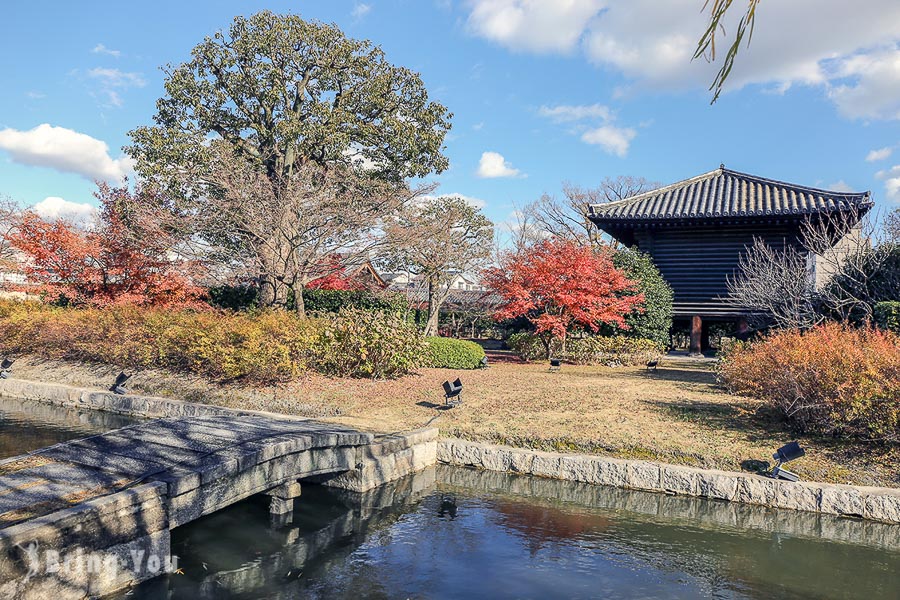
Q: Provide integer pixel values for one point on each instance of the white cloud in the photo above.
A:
(595, 123)
(534, 25)
(880, 154)
(849, 50)
(492, 165)
(873, 91)
(64, 150)
(615, 140)
(360, 10)
(101, 49)
(840, 186)
(33, 95)
(113, 81)
(53, 208)
(891, 178)
(564, 112)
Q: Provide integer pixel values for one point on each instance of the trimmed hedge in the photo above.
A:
(451, 353)
(242, 297)
(887, 315)
(832, 379)
(612, 350)
(332, 301)
(592, 350)
(265, 346)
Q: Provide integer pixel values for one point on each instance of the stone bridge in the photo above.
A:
(107, 503)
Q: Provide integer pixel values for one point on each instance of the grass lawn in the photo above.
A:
(677, 414)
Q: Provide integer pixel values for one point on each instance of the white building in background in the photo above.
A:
(404, 280)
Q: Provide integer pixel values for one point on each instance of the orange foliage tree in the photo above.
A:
(106, 264)
(559, 285)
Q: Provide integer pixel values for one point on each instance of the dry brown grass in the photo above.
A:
(678, 414)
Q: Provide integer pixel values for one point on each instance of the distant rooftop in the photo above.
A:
(724, 193)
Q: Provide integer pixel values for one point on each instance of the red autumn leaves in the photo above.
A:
(559, 285)
(104, 265)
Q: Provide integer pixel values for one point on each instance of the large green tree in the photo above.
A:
(284, 95)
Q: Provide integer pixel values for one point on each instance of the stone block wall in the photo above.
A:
(879, 504)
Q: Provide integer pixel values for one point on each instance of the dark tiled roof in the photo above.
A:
(724, 193)
(457, 298)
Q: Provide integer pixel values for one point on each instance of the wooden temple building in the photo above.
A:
(696, 230)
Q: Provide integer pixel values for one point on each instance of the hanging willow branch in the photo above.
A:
(706, 47)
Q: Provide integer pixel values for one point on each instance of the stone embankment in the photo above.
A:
(878, 504)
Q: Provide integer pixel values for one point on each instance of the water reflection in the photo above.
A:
(27, 425)
(452, 533)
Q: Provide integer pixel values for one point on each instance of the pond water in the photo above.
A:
(27, 425)
(459, 533)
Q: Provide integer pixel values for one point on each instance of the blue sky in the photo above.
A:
(543, 91)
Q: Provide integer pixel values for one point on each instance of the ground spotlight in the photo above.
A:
(119, 386)
(555, 364)
(786, 453)
(453, 393)
(652, 364)
(5, 367)
(484, 362)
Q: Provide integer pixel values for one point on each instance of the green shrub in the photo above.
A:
(450, 353)
(590, 350)
(612, 350)
(655, 320)
(244, 297)
(887, 316)
(527, 346)
(365, 343)
(832, 379)
(332, 301)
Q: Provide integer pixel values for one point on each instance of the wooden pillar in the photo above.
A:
(696, 334)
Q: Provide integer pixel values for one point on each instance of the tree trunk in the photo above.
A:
(434, 308)
(266, 295)
(299, 302)
(545, 340)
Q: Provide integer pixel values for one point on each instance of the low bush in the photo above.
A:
(591, 350)
(612, 350)
(887, 316)
(263, 347)
(831, 379)
(361, 343)
(526, 346)
(450, 353)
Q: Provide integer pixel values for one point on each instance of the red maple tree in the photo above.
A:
(106, 264)
(559, 285)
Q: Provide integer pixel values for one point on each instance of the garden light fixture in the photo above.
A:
(119, 386)
(786, 453)
(453, 393)
(6, 367)
(555, 364)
